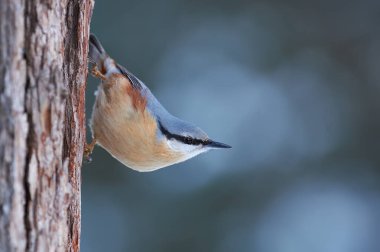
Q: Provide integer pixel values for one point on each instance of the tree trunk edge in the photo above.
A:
(43, 71)
(76, 75)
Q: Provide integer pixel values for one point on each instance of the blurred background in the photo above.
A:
(293, 86)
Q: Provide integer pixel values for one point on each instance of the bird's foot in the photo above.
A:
(88, 148)
(96, 73)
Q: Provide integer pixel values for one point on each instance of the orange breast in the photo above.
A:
(123, 125)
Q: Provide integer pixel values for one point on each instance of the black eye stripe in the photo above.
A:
(183, 139)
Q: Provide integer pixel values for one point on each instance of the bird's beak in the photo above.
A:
(217, 145)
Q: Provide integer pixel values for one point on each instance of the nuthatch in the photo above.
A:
(130, 123)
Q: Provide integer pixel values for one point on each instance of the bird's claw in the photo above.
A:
(88, 150)
(96, 73)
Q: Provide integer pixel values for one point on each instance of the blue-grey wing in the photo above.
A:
(136, 83)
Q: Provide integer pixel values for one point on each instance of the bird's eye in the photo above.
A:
(189, 140)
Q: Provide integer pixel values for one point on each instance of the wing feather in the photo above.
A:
(136, 83)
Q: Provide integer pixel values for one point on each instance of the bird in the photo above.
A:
(131, 124)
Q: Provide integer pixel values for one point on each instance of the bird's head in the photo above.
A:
(187, 138)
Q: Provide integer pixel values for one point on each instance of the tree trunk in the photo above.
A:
(43, 69)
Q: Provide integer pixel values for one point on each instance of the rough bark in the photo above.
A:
(43, 69)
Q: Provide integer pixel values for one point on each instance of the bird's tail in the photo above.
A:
(97, 54)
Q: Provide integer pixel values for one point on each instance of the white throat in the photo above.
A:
(187, 150)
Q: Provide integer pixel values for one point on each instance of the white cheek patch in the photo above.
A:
(180, 147)
(187, 150)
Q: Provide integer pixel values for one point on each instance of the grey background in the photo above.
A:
(292, 85)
